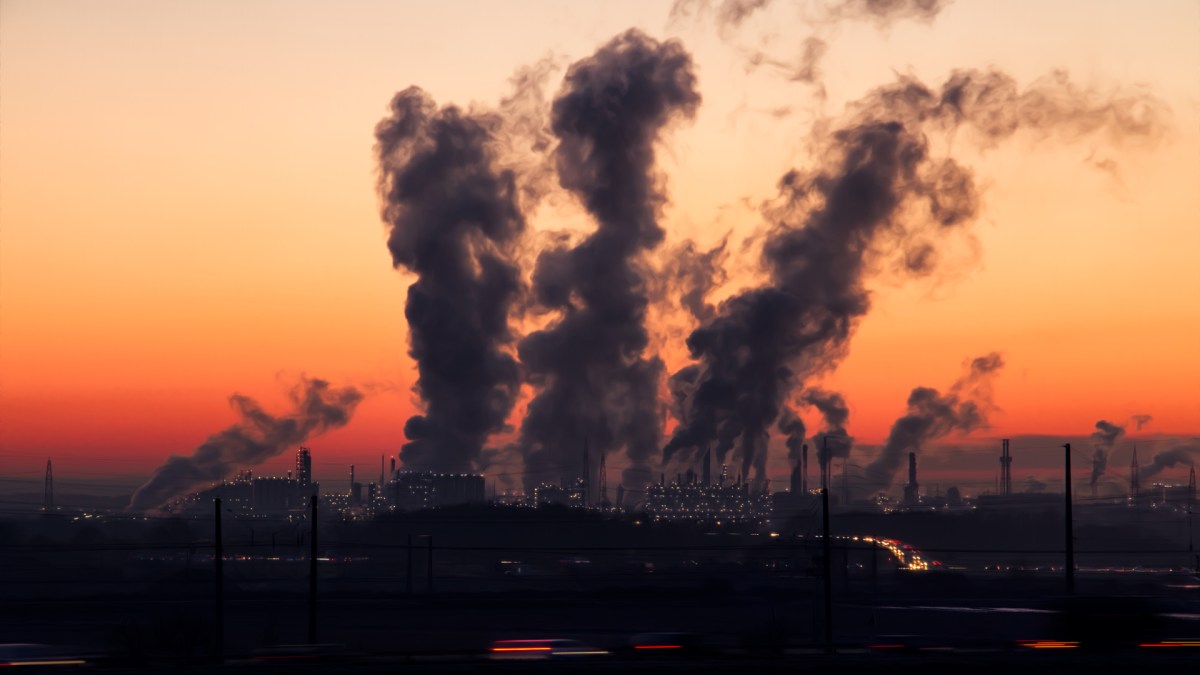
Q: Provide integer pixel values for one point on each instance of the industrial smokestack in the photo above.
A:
(932, 415)
(912, 494)
(879, 199)
(804, 470)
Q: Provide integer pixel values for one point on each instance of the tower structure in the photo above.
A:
(604, 503)
(48, 498)
(1134, 487)
(584, 475)
(706, 466)
(1005, 469)
(804, 468)
(912, 490)
(304, 467)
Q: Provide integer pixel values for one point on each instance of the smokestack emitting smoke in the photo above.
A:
(833, 440)
(454, 218)
(880, 199)
(793, 428)
(1103, 439)
(931, 415)
(257, 437)
(589, 366)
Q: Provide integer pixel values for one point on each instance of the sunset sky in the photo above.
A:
(188, 209)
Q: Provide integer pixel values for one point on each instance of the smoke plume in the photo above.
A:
(1103, 439)
(257, 437)
(593, 378)
(878, 199)
(453, 217)
(1180, 454)
(1140, 421)
(833, 440)
(730, 15)
(792, 427)
(931, 415)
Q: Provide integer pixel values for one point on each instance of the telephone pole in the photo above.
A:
(1070, 530)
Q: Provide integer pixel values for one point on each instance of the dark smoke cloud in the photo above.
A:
(1180, 454)
(879, 199)
(1140, 421)
(589, 366)
(454, 218)
(792, 427)
(931, 415)
(257, 437)
(695, 273)
(1103, 439)
(833, 440)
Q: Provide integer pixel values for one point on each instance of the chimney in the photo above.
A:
(1133, 475)
(804, 470)
(912, 494)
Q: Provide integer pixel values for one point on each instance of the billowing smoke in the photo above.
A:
(695, 273)
(792, 427)
(593, 378)
(1186, 455)
(453, 217)
(833, 440)
(879, 199)
(1103, 439)
(931, 415)
(1140, 421)
(255, 438)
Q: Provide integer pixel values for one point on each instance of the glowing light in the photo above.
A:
(1048, 644)
(659, 647)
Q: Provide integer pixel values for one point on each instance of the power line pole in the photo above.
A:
(218, 567)
(827, 563)
(48, 498)
(1070, 530)
(312, 574)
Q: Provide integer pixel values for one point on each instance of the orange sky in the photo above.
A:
(187, 209)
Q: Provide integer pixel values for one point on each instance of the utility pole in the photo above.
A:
(312, 575)
(827, 563)
(218, 564)
(1070, 530)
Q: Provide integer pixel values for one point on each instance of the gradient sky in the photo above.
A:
(188, 209)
